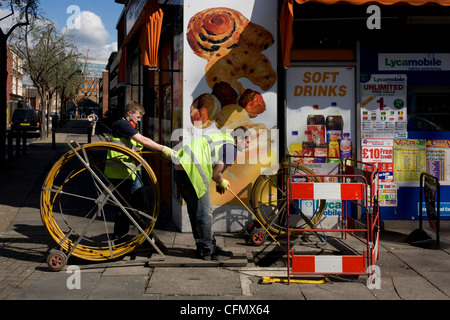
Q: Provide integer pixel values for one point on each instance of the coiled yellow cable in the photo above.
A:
(259, 189)
(48, 200)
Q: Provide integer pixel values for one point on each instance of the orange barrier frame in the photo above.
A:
(356, 185)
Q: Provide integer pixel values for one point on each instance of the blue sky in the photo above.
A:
(96, 28)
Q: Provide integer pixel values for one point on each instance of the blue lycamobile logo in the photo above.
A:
(411, 63)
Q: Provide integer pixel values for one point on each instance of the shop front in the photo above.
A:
(401, 89)
(342, 82)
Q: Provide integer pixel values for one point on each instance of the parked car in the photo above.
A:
(29, 120)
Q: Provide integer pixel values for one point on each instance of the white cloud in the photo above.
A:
(89, 33)
(88, 29)
(99, 52)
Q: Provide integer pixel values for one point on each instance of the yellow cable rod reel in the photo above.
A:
(78, 203)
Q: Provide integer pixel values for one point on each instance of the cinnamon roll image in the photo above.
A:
(213, 29)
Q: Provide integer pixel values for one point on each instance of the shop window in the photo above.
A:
(428, 109)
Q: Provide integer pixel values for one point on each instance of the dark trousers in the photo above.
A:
(199, 211)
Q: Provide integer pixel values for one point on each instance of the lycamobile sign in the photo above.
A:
(414, 61)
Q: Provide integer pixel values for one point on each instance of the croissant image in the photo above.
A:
(229, 66)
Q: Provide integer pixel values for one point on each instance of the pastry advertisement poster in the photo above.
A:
(383, 106)
(315, 94)
(438, 159)
(230, 80)
(410, 159)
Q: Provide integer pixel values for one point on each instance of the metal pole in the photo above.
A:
(420, 200)
(10, 146)
(53, 139)
(24, 142)
(89, 133)
(438, 213)
(17, 144)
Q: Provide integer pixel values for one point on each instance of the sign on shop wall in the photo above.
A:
(438, 159)
(379, 153)
(230, 59)
(410, 159)
(413, 61)
(331, 89)
(383, 106)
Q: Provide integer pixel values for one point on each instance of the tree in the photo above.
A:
(25, 10)
(48, 58)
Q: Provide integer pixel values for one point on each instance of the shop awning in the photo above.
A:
(287, 17)
(150, 34)
(287, 35)
(149, 25)
(385, 2)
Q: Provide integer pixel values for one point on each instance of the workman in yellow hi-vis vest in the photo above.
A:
(118, 169)
(196, 164)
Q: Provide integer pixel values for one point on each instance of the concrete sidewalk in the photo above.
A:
(407, 272)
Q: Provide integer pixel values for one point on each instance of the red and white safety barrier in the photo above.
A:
(328, 264)
(331, 191)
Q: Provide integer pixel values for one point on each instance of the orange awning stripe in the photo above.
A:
(150, 34)
(287, 34)
(385, 2)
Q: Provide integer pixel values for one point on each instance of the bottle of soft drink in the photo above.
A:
(295, 147)
(334, 123)
(316, 125)
(320, 149)
(346, 147)
(308, 148)
(333, 149)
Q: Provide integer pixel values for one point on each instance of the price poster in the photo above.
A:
(379, 153)
(387, 194)
(410, 159)
(438, 159)
(383, 106)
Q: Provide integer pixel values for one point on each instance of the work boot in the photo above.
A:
(203, 254)
(220, 255)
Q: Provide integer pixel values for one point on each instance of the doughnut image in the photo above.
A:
(212, 29)
(225, 93)
(204, 110)
(252, 102)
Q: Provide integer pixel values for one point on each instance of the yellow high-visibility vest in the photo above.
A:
(200, 156)
(118, 165)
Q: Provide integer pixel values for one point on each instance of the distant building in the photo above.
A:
(90, 86)
(14, 84)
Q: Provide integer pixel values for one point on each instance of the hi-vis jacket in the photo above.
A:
(118, 165)
(200, 156)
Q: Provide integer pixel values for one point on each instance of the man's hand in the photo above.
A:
(167, 153)
(223, 186)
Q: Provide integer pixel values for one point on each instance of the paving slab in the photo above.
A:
(353, 290)
(119, 287)
(194, 282)
(417, 288)
(53, 286)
